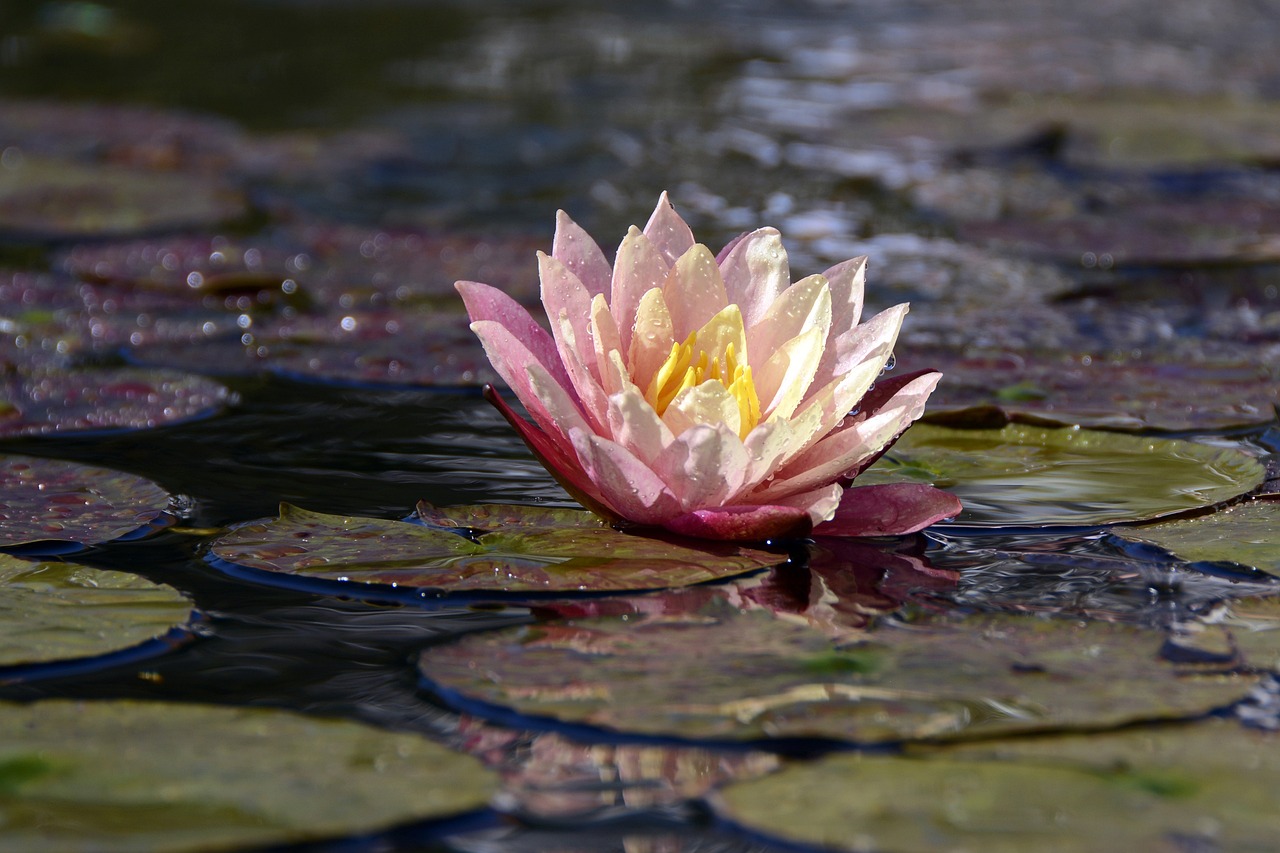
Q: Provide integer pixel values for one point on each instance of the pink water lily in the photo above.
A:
(708, 394)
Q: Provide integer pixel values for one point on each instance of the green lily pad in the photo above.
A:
(1248, 534)
(1254, 627)
(49, 500)
(533, 549)
(1213, 785)
(1066, 389)
(1036, 477)
(108, 776)
(50, 611)
(55, 400)
(723, 673)
(60, 199)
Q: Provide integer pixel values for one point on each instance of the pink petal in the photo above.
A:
(488, 303)
(623, 480)
(890, 509)
(638, 269)
(669, 233)
(569, 310)
(847, 280)
(635, 425)
(756, 272)
(873, 339)
(560, 464)
(574, 248)
(742, 523)
(511, 359)
(803, 305)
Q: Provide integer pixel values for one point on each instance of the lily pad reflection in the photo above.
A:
(726, 674)
(512, 549)
(1035, 477)
(108, 776)
(50, 611)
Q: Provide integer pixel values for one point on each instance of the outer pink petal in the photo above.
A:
(511, 359)
(889, 393)
(559, 462)
(669, 233)
(569, 310)
(756, 272)
(742, 523)
(574, 248)
(891, 509)
(488, 303)
(801, 306)
(623, 480)
(639, 268)
(847, 280)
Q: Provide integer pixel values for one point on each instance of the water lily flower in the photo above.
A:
(708, 394)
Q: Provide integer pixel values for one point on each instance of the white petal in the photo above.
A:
(704, 466)
(636, 426)
(803, 305)
(694, 291)
(847, 280)
(756, 272)
(708, 403)
(787, 375)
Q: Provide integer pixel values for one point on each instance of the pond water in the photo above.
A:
(228, 238)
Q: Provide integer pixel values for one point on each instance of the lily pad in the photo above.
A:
(726, 674)
(1213, 785)
(514, 549)
(1036, 477)
(50, 611)
(108, 776)
(1065, 389)
(1248, 534)
(56, 401)
(61, 199)
(48, 500)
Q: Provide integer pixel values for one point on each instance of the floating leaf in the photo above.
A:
(61, 199)
(1204, 394)
(1254, 625)
(1212, 785)
(50, 611)
(535, 549)
(1248, 534)
(724, 673)
(110, 776)
(1037, 477)
(55, 401)
(48, 500)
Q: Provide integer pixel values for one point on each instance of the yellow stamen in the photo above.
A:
(680, 371)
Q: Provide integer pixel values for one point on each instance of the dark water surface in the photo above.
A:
(1081, 206)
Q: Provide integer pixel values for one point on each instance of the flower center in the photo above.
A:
(681, 371)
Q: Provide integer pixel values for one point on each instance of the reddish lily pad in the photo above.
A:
(56, 401)
(1211, 785)
(724, 673)
(61, 199)
(51, 611)
(1036, 477)
(48, 500)
(1248, 534)
(537, 549)
(121, 775)
(1102, 394)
